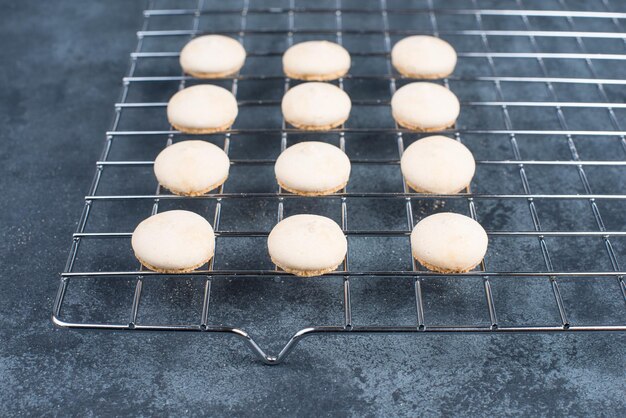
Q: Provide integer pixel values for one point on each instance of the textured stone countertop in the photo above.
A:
(61, 64)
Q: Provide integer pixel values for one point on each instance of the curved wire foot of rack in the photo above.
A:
(348, 329)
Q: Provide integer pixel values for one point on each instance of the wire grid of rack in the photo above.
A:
(519, 80)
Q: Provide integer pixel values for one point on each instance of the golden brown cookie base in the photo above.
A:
(442, 270)
(423, 76)
(418, 190)
(316, 77)
(200, 131)
(316, 193)
(306, 273)
(208, 76)
(175, 271)
(317, 128)
(421, 128)
(197, 193)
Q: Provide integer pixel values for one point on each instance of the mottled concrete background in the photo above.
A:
(61, 64)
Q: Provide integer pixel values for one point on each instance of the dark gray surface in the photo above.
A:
(61, 68)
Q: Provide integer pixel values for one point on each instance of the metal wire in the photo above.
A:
(386, 31)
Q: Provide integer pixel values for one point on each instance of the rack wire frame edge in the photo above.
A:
(348, 327)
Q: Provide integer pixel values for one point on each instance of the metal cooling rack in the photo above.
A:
(487, 35)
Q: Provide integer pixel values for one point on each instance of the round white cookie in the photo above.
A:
(424, 57)
(437, 164)
(176, 241)
(191, 168)
(425, 107)
(449, 243)
(316, 106)
(316, 60)
(312, 169)
(202, 109)
(212, 56)
(307, 245)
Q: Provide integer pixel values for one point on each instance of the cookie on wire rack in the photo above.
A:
(212, 56)
(449, 243)
(202, 109)
(176, 241)
(307, 245)
(437, 164)
(191, 168)
(316, 61)
(423, 57)
(316, 106)
(424, 106)
(312, 168)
